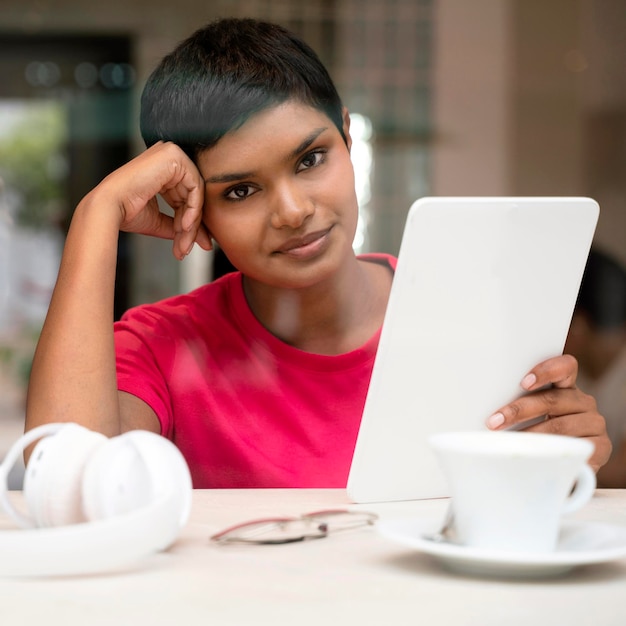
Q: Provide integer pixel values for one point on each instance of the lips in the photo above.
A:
(301, 242)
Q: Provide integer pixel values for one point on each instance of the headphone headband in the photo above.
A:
(91, 547)
(9, 461)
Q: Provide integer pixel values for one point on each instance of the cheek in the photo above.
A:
(218, 221)
(344, 186)
(234, 232)
(344, 178)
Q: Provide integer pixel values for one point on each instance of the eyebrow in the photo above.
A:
(230, 177)
(307, 142)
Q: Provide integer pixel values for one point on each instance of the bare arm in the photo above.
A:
(74, 376)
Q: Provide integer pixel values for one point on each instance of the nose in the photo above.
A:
(291, 206)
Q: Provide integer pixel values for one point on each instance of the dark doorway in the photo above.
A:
(85, 84)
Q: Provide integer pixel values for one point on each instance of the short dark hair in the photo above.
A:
(602, 295)
(224, 73)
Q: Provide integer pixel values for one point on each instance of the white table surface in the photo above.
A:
(354, 578)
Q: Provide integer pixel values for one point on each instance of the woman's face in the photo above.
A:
(280, 197)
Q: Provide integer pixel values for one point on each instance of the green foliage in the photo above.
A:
(16, 355)
(32, 164)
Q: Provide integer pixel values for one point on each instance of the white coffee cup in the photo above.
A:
(510, 489)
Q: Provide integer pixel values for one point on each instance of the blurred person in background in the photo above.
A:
(597, 338)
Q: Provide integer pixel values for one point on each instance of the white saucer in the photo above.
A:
(580, 543)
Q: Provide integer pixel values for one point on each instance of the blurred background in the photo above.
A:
(449, 97)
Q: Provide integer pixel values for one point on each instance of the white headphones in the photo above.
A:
(96, 504)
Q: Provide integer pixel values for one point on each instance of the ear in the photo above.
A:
(346, 127)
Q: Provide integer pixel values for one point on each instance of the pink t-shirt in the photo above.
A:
(245, 409)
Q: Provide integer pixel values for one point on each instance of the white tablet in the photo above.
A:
(484, 290)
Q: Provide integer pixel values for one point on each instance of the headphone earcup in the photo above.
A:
(132, 493)
(131, 471)
(53, 477)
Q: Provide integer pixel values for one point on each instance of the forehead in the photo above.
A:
(280, 127)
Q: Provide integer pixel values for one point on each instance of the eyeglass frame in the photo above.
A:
(319, 531)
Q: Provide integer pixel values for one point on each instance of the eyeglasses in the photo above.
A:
(278, 530)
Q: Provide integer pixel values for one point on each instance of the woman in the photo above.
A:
(260, 377)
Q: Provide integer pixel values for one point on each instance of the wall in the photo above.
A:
(471, 101)
(603, 26)
(530, 99)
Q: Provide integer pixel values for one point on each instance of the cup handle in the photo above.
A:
(583, 490)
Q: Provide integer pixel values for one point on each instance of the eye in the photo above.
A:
(312, 159)
(239, 192)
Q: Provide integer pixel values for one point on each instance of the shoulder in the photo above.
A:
(381, 258)
(213, 299)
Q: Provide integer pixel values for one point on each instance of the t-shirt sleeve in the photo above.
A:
(140, 349)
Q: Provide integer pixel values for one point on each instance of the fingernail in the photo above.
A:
(496, 420)
(190, 248)
(528, 381)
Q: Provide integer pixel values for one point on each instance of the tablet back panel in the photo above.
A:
(484, 290)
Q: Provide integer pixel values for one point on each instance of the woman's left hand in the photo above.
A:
(552, 393)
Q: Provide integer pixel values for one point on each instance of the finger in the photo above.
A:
(186, 196)
(184, 240)
(602, 452)
(152, 222)
(560, 371)
(203, 238)
(588, 425)
(163, 227)
(585, 425)
(553, 401)
(181, 248)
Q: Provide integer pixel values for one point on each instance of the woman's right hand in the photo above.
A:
(166, 170)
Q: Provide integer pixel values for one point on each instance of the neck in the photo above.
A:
(335, 316)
